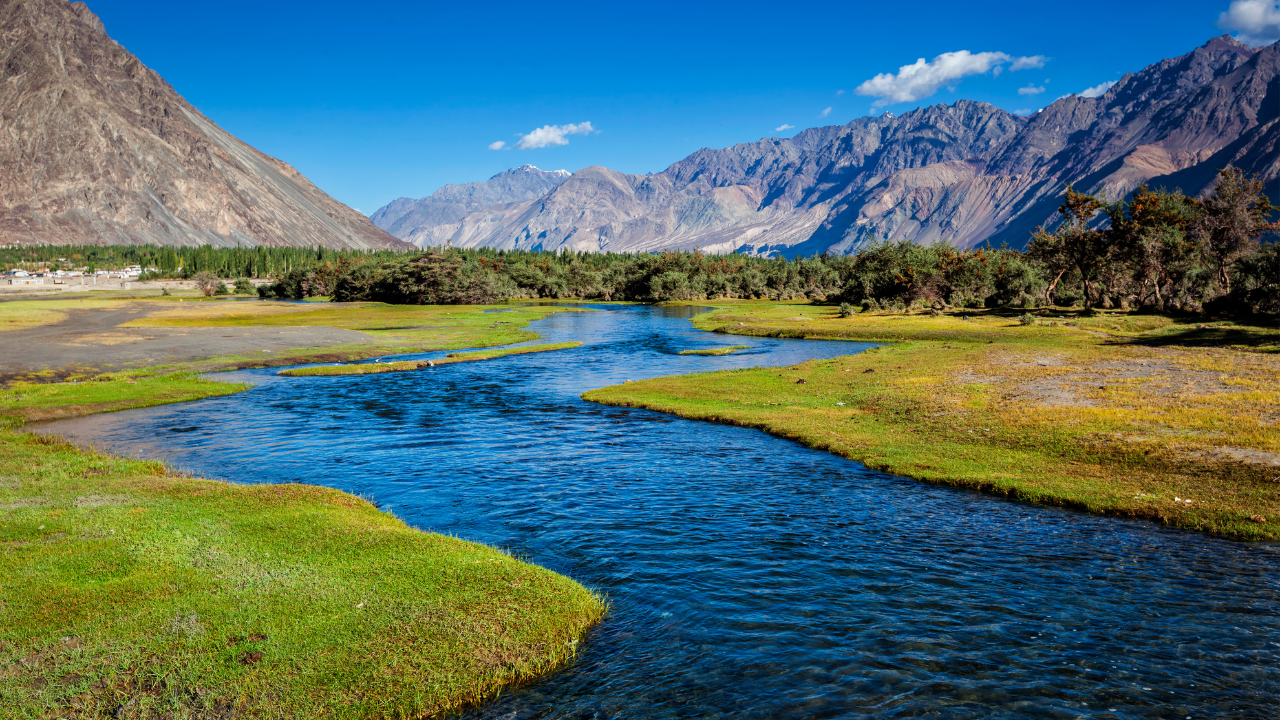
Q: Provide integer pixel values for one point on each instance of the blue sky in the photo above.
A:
(378, 100)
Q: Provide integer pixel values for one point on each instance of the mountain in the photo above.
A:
(438, 214)
(97, 148)
(965, 174)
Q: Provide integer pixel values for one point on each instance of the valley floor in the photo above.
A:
(1122, 414)
(132, 592)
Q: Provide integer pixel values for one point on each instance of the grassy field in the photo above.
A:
(22, 314)
(407, 365)
(396, 329)
(130, 592)
(1127, 415)
(727, 350)
(29, 402)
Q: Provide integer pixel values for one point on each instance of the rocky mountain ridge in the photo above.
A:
(98, 149)
(965, 174)
(441, 211)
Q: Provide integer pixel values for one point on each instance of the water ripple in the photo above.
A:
(751, 577)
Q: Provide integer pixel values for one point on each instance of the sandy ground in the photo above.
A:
(116, 285)
(94, 340)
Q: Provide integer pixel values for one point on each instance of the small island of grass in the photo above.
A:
(408, 365)
(727, 350)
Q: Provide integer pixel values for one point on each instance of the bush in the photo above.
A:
(244, 287)
(846, 310)
(1028, 319)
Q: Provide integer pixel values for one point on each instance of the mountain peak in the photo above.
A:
(1227, 42)
(100, 149)
(451, 203)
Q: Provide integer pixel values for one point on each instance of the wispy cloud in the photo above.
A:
(1256, 22)
(552, 135)
(1025, 111)
(1097, 90)
(1030, 90)
(839, 93)
(782, 127)
(825, 113)
(1026, 63)
(922, 79)
(497, 145)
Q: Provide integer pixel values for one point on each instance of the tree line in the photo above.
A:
(182, 262)
(1159, 249)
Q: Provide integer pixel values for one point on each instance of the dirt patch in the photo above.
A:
(1057, 382)
(97, 501)
(1244, 455)
(94, 340)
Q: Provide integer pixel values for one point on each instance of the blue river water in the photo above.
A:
(750, 577)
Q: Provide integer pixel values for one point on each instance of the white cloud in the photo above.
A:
(922, 79)
(1257, 22)
(782, 127)
(1098, 90)
(1030, 90)
(825, 113)
(497, 145)
(552, 135)
(839, 93)
(1026, 63)
(1024, 111)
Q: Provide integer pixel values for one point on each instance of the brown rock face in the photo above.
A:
(96, 148)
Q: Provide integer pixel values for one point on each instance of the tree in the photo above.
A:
(1149, 235)
(208, 283)
(1075, 245)
(1236, 216)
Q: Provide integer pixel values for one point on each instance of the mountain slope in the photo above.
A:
(965, 174)
(97, 148)
(444, 208)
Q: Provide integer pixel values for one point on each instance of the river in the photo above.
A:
(750, 577)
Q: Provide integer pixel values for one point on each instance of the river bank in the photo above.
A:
(134, 591)
(56, 339)
(748, 575)
(1119, 414)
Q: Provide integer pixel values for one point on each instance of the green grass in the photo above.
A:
(24, 402)
(128, 591)
(396, 329)
(407, 365)
(1126, 424)
(716, 351)
(124, 585)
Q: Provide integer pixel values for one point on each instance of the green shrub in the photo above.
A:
(846, 310)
